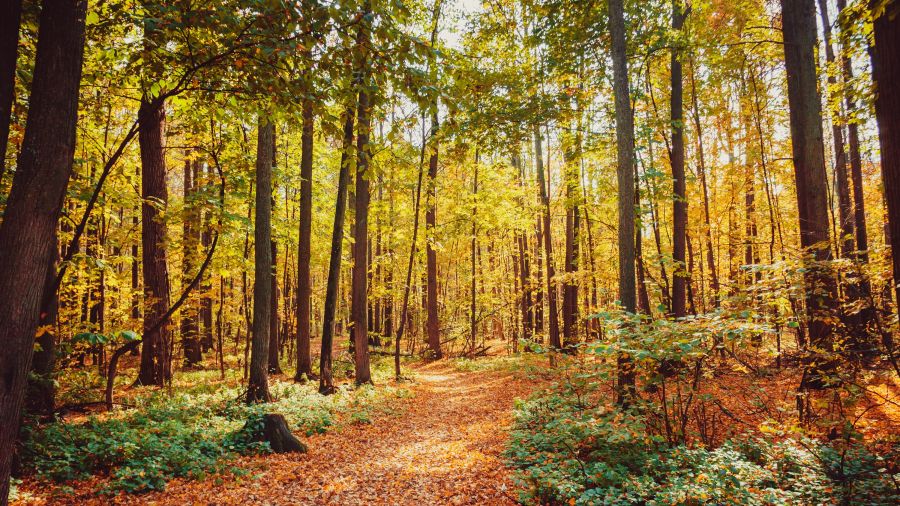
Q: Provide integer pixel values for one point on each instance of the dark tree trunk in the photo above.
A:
(859, 205)
(33, 207)
(41, 396)
(431, 306)
(156, 364)
(274, 342)
(799, 26)
(10, 17)
(359, 298)
(625, 158)
(572, 157)
(841, 182)
(258, 387)
(886, 73)
(189, 319)
(548, 242)
(538, 283)
(680, 276)
(304, 360)
(326, 377)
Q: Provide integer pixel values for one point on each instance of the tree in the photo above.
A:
(304, 360)
(326, 375)
(679, 193)
(433, 325)
(156, 361)
(885, 71)
(625, 171)
(258, 386)
(33, 207)
(799, 27)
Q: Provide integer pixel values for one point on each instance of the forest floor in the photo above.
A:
(440, 445)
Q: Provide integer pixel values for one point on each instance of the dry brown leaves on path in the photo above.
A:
(441, 446)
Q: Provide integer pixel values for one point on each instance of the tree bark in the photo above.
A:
(886, 73)
(625, 171)
(304, 360)
(326, 376)
(680, 276)
(553, 317)
(189, 315)
(258, 387)
(156, 364)
(34, 204)
(431, 306)
(799, 27)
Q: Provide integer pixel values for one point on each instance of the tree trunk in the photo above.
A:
(625, 171)
(886, 73)
(841, 183)
(258, 387)
(274, 363)
(799, 26)
(326, 377)
(304, 360)
(156, 364)
(553, 324)
(189, 315)
(572, 157)
(359, 297)
(680, 276)
(431, 308)
(33, 207)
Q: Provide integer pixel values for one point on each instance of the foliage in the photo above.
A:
(192, 434)
(569, 452)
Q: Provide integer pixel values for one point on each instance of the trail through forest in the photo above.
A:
(441, 445)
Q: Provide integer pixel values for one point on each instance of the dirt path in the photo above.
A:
(441, 446)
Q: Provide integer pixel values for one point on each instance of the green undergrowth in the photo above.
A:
(568, 451)
(521, 363)
(192, 432)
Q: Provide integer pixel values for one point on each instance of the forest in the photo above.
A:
(492, 252)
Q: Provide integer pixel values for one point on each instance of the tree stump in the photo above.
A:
(275, 431)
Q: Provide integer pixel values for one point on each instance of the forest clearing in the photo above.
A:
(544, 252)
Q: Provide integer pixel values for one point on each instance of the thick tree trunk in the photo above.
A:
(625, 158)
(553, 325)
(258, 387)
(799, 26)
(304, 359)
(33, 207)
(680, 276)
(572, 157)
(326, 376)
(156, 364)
(886, 73)
(10, 18)
(359, 298)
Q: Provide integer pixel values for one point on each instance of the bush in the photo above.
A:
(569, 453)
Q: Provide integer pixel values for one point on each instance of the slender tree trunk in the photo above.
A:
(548, 242)
(572, 157)
(799, 24)
(33, 207)
(625, 158)
(304, 360)
(274, 342)
(433, 325)
(326, 375)
(156, 368)
(680, 276)
(189, 316)
(258, 386)
(841, 182)
(859, 205)
(473, 316)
